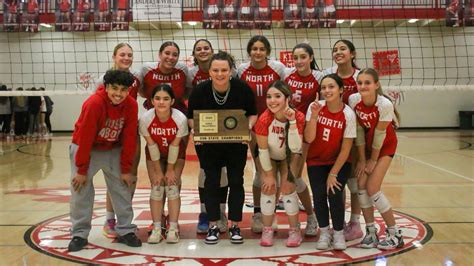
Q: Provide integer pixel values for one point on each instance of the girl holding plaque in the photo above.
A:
(222, 92)
(279, 133)
(164, 128)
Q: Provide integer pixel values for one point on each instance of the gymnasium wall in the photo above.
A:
(431, 59)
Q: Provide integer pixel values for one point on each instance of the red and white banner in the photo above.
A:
(11, 15)
(386, 62)
(286, 57)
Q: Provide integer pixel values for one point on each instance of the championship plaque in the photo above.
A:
(221, 126)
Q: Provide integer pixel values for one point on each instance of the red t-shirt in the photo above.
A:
(304, 89)
(259, 79)
(331, 129)
(369, 116)
(350, 83)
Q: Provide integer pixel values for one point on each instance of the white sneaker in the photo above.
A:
(155, 236)
(324, 241)
(370, 240)
(172, 236)
(391, 241)
(222, 224)
(311, 226)
(257, 224)
(338, 240)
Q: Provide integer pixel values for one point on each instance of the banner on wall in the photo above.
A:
(327, 14)
(386, 62)
(121, 14)
(469, 13)
(81, 14)
(30, 17)
(157, 10)
(102, 15)
(454, 13)
(211, 17)
(292, 13)
(229, 14)
(311, 13)
(246, 14)
(11, 15)
(63, 15)
(263, 14)
(286, 57)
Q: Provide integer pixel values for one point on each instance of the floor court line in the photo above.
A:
(436, 167)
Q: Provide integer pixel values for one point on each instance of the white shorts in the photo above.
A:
(245, 10)
(329, 9)
(212, 9)
(293, 7)
(229, 9)
(310, 10)
(263, 9)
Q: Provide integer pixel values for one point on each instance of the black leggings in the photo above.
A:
(318, 176)
(212, 158)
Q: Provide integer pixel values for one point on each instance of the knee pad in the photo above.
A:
(290, 202)
(364, 199)
(381, 202)
(157, 193)
(172, 192)
(257, 182)
(267, 204)
(352, 185)
(300, 185)
(201, 178)
(224, 179)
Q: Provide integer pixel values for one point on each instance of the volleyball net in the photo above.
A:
(414, 44)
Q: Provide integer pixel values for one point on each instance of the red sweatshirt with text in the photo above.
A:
(104, 126)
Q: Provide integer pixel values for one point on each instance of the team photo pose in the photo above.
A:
(344, 55)
(104, 138)
(303, 81)
(330, 130)
(163, 128)
(259, 73)
(122, 58)
(279, 133)
(376, 144)
(220, 93)
(202, 52)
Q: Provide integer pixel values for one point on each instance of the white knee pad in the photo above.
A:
(157, 193)
(257, 181)
(381, 202)
(300, 185)
(290, 202)
(172, 192)
(267, 204)
(364, 199)
(224, 180)
(201, 178)
(352, 185)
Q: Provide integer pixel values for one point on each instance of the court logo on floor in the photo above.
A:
(53, 235)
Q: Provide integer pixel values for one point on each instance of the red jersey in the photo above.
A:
(164, 133)
(32, 6)
(369, 116)
(13, 8)
(263, 3)
(196, 76)
(268, 125)
(152, 76)
(331, 129)
(122, 4)
(350, 83)
(64, 6)
(246, 3)
(132, 90)
(259, 79)
(304, 89)
(329, 2)
(103, 6)
(104, 126)
(309, 3)
(229, 2)
(292, 2)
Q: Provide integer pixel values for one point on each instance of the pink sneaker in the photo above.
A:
(352, 231)
(109, 229)
(294, 238)
(267, 237)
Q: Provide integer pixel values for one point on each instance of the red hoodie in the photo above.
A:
(104, 126)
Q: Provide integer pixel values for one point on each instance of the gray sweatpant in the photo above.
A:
(82, 202)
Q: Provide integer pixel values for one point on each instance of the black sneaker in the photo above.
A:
(76, 244)
(235, 237)
(130, 240)
(212, 235)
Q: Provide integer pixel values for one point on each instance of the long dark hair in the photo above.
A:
(309, 50)
(259, 38)
(3, 99)
(351, 47)
(194, 47)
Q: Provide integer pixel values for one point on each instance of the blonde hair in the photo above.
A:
(117, 47)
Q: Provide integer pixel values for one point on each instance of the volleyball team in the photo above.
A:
(335, 121)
